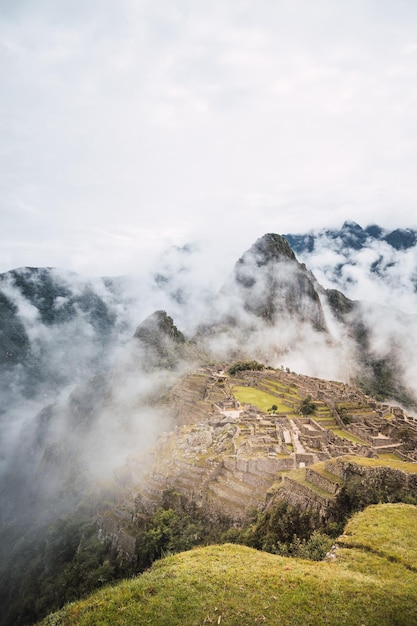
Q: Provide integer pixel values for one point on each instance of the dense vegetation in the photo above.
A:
(373, 582)
(47, 568)
(242, 366)
(307, 406)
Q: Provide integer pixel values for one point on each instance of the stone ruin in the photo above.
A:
(228, 458)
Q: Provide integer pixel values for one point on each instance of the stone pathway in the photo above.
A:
(298, 447)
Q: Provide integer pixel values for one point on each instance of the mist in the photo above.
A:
(83, 381)
(88, 366)
(378, 272)
(380, 275)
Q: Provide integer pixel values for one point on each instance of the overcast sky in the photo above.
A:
(130, 125)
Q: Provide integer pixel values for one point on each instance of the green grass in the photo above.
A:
(260, 399)
(387, 530)
(290, 391)
(371, 582)
(395, 464)
(348, 436)
(388, 456)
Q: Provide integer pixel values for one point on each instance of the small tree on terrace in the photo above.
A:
(307, 406)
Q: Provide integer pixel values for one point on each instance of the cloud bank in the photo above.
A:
(128, 127)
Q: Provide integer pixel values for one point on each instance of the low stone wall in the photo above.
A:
(321, 481)
(307, 459)
(380, 442)
(261, 465)
(310, 497)
(310, 428)
(363, 434)
(404, 457)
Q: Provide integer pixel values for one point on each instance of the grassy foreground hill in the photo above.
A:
(371, 579)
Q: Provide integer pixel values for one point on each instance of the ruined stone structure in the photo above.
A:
(229, 458)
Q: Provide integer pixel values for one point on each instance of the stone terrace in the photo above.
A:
(227, 457)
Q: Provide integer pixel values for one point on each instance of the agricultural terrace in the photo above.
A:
(261, 399)
(287, 402)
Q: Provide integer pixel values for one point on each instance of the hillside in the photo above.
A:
(370, 578)
(136, 422)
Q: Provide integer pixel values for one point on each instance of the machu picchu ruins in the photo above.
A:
(242, 441)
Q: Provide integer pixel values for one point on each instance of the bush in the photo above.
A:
(307, 406)
(242, 366)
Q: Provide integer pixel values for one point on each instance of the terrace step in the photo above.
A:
(224, 504)
(323, 479)
(298, 490)
(229, 495)
(227, 480)
(327, 422)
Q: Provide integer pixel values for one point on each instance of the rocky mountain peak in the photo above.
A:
(163, 344)
(402, 238)
(271, 283)
(158, 324)
(270, 247)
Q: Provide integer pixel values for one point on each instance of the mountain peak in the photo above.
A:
(163, 345)
(402, 238)
(351, 225)
(271, 283)
(156, 325)
(269, 248)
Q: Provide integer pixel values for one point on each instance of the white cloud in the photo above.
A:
(191, 118)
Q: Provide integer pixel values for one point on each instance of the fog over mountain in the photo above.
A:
(369, 263)
(87, 364)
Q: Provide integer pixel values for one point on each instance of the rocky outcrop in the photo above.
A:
(161, 344)
(114, 529)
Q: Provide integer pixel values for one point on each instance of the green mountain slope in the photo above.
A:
(370, 579)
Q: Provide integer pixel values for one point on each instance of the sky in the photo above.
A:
(129, 126)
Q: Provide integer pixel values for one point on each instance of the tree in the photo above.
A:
(307, 406)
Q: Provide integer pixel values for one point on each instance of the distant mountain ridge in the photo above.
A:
(352, 235)
(371, 263)
(270, 297)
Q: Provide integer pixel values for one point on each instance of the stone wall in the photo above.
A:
(298, 493)
(374, 475)
(306, 459)
(322, 481)
(260, 466)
